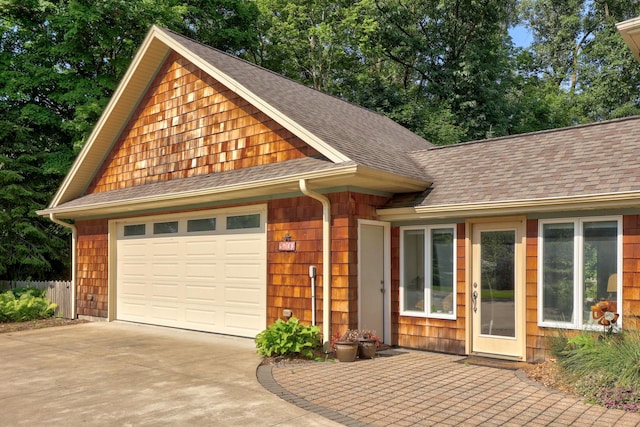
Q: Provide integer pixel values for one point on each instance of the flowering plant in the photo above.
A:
(355, 335)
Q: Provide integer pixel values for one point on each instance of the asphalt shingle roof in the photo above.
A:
(217, 180)
(598, 158)
(368, 138)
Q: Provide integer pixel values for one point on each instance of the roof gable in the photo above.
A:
(188, 124)
(339, 131)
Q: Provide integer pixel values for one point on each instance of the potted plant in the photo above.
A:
(368, 343)
(346, 345)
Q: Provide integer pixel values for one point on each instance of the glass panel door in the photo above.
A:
(497, 289)
(497, 283)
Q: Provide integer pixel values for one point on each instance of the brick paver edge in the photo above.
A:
(264, 375)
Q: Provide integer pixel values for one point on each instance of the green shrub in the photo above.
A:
(605, 371)
(288, 338)
(20, 305)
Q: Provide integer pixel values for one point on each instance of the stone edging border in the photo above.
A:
(265, 378)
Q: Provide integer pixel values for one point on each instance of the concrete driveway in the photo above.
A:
(127, 374)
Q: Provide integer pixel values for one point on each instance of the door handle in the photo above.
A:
(474, 301)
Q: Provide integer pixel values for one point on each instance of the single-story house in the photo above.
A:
(218, 196)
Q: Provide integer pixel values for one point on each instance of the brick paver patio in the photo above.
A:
(421, 388)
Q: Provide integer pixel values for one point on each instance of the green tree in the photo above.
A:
(579, 61)
(318, 43)
(59, 65)
(454, 60)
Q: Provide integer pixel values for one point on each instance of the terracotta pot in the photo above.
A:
(366, 349)
(346, 351)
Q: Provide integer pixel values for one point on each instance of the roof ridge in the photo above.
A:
(527, 134)
(232, 56)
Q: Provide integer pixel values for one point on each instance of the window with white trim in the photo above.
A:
(428, 271)
(579, 265)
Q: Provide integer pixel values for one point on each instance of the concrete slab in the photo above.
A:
(127, 374)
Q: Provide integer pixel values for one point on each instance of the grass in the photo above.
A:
(604, 368)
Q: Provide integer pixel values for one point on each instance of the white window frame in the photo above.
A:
(578, 273)
(428, 273)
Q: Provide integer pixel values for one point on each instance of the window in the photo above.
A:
(134, 230)
(579, 265)
(169, 227)
(243, 221)
(204, 224)
(428, 271)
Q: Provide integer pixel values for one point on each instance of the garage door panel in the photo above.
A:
(133, 310)
(201, 270)
(242, 323)
(243, 296)
(212, 282)
(131, 289)
(204, 317)
(204, 247)
(201, 294)
(164, 312)
(236, 270)
(245, 247)
(165, 270)
(164, 247)
(133, 248)
(134, 270)
(165, 291)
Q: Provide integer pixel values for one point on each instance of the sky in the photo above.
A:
(521, 36)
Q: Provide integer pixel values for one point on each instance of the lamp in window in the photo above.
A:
(612, 285)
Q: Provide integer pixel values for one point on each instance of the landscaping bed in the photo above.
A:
(38, 324)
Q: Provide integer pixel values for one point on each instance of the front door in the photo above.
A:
(372, 299)
(497, 289)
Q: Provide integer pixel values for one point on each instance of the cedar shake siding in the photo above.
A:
(288, 272)
(631, 271)
(423, 333)
(188, 125)
(92, 275)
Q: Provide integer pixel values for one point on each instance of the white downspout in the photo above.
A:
(326, 259)
(74, 232)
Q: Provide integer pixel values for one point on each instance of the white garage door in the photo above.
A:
(205, 272)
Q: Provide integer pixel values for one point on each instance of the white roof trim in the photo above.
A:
(630, 32)
(525, 206)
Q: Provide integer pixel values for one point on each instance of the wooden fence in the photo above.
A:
(58, 292)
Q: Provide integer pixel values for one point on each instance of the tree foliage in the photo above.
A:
(445, 69)
(60, 61)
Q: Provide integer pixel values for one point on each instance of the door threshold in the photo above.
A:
(492, 362)
(493, 356)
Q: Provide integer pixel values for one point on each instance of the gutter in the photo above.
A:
(74, 233)
(326, 259)
(620, 200)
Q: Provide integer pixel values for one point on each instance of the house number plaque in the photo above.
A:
(287, 246)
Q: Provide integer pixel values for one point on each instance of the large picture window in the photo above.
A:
(427, 283)
(579, 265)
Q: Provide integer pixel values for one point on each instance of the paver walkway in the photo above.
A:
(421, 388)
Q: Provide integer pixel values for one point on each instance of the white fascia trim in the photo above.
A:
(629, 24)
(325, 149)
(630, 32)
(413, 184)
(553, 204)
(291, 179)
(104, 117)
